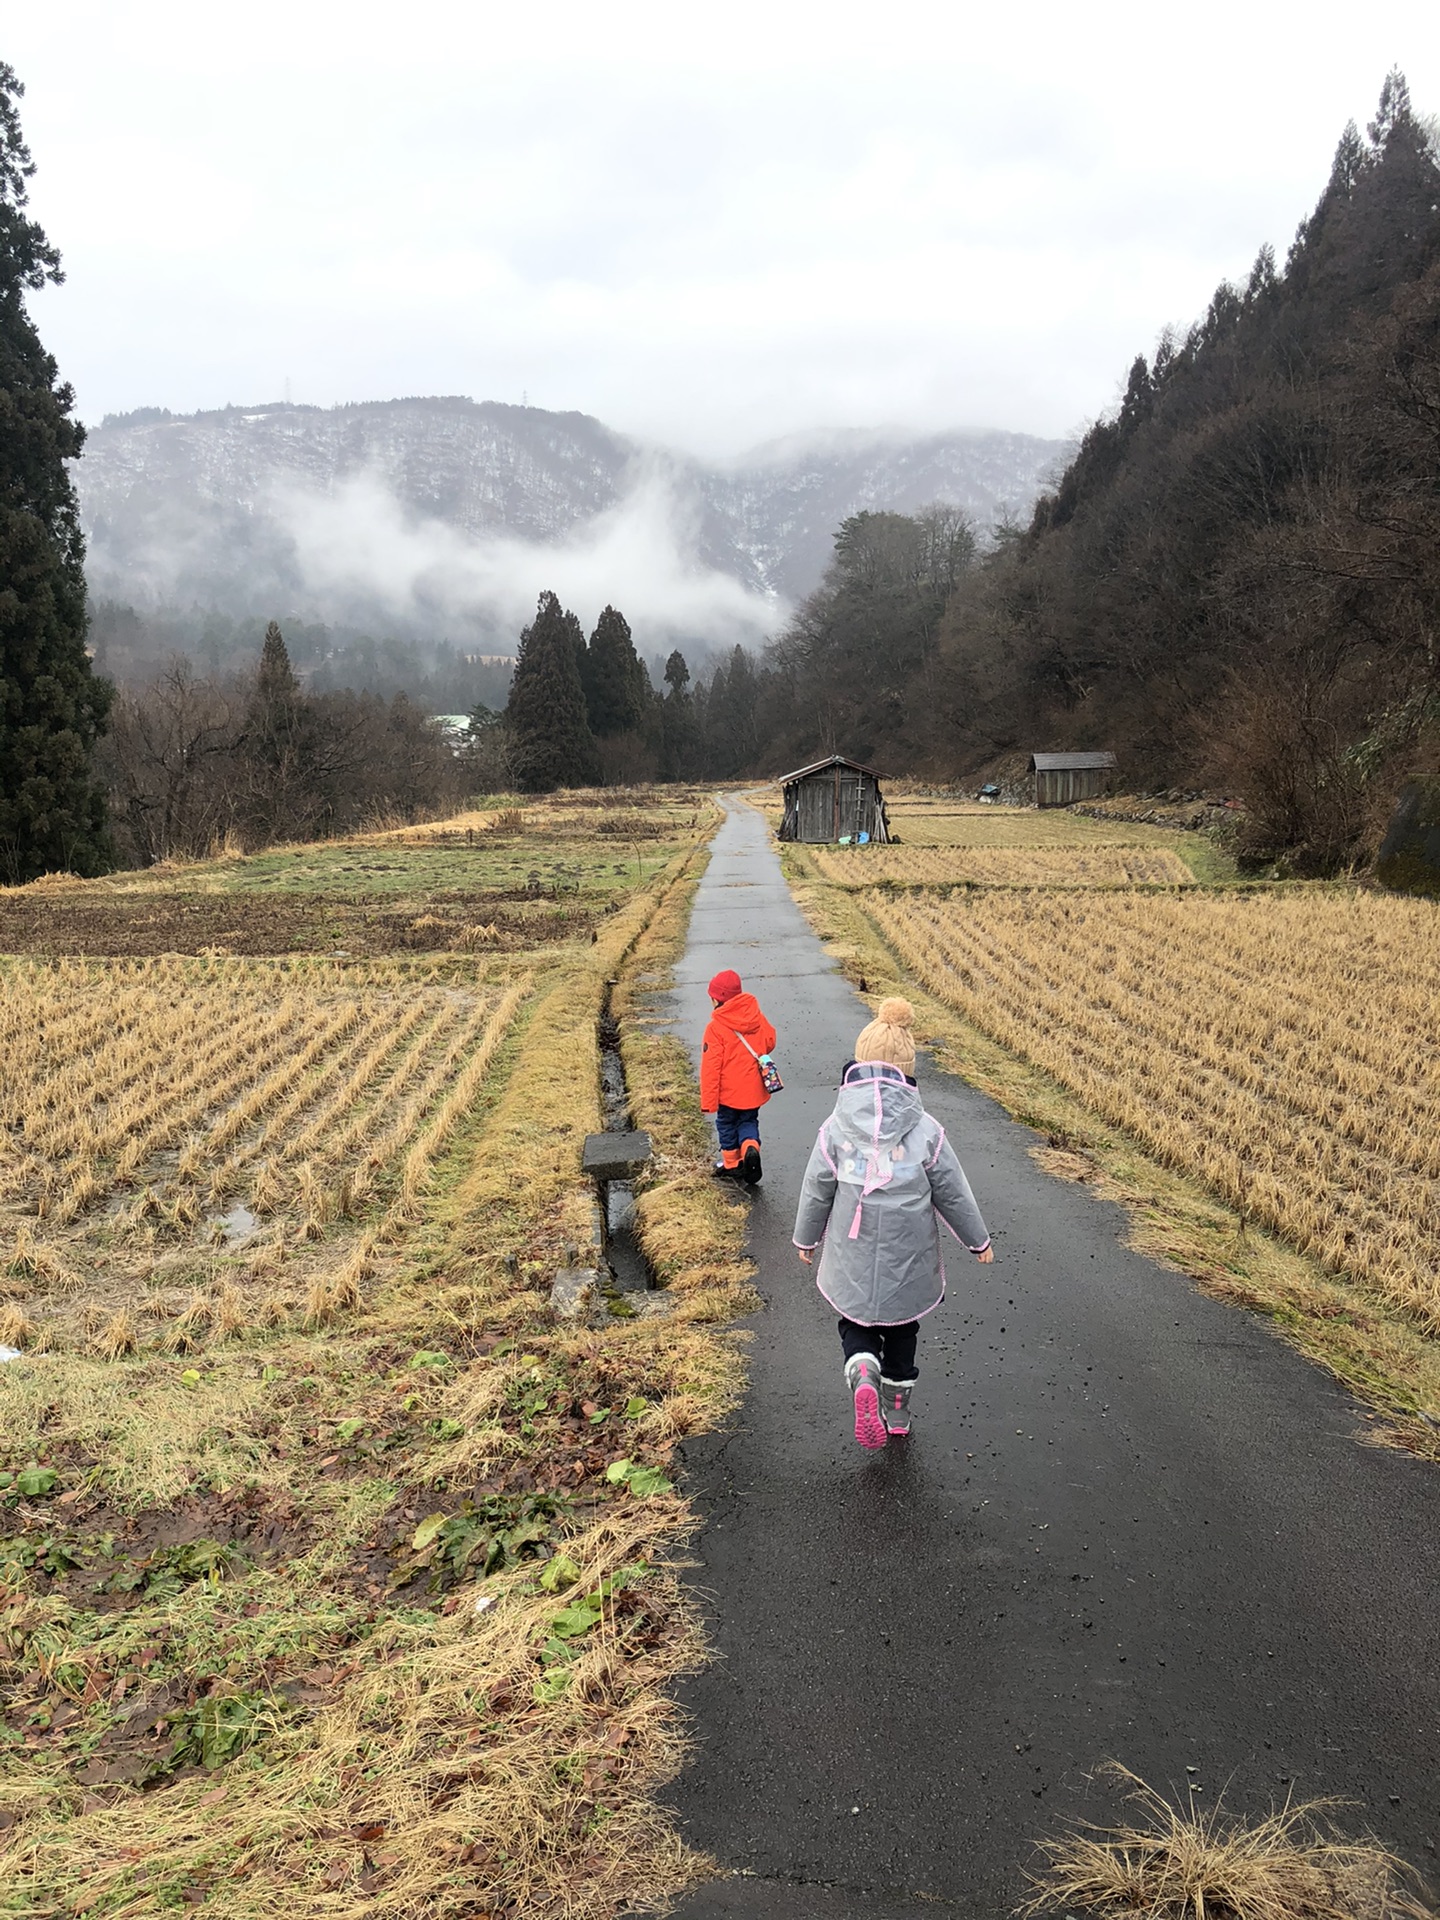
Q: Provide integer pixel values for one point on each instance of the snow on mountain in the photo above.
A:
(780, 507)
(445, 517)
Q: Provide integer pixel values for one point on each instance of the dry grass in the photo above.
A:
(1018, 866)
(1282, 1047)
(447, 1770)
(1181, 1863)
(693, 1236)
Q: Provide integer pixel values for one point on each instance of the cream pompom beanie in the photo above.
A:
(888, 1037)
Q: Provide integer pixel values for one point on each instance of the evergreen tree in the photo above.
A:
(274, 716)
(679, 733)
(284, 758)
(733, 737)
(551, 743)
(1394, 117)
(52, 705)
(617, 687)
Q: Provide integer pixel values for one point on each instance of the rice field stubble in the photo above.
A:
(1282, 1047)
(360, 1603)
(1095, 865)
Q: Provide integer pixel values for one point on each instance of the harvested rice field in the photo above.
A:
(334, 1565)
(1281, 1045)
(1090, 865)
(173, 1123)
(950, 823)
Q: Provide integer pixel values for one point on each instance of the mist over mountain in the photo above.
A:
(441, 520)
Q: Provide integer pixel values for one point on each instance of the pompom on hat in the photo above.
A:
(888, 1038)
(724, 986)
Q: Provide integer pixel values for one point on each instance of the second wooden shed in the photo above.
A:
(836, 800)
(1061, 778)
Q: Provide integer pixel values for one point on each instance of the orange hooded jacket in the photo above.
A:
(729, 1076)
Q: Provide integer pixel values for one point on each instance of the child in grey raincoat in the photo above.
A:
(881, 1179)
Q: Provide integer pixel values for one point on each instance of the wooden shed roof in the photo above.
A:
(1069, 762)
(823, 766)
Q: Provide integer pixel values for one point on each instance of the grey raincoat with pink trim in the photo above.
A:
(881, 1178)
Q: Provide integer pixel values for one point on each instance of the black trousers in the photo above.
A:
(893, 1347)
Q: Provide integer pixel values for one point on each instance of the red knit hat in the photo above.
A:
(724, 986)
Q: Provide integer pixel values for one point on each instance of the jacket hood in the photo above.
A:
(877, 1105)
(741, 1015)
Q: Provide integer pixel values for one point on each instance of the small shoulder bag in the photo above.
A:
(769, 1072)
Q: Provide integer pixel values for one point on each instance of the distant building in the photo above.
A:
(1061, 778)
(836, 800)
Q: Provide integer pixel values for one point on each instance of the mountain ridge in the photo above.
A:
(288, 506)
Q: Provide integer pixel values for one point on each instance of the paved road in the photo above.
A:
(1130, 1523)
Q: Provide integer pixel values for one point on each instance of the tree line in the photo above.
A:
(856, 666)
(1237, 580)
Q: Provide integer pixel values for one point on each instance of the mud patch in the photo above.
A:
(109, 1561)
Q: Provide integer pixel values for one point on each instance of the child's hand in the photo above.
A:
(807, 1254)
(986, 1258)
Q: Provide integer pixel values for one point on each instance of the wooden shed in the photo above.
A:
(1061, 778)
(835, 799)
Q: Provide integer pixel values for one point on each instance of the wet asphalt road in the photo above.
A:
(1130, 1524)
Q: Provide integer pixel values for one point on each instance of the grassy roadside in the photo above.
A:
(1382, 1357)
(376, 1614)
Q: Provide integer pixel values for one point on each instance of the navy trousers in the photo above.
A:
(736, 1125)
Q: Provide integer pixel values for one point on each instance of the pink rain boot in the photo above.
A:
(862, 1376)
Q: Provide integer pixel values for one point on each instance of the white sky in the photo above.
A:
(708, 226)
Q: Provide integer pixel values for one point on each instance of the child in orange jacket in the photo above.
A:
(731, 1088)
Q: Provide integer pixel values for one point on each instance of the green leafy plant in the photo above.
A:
(22, 1554)
(584, 1612)
(34, 1483)
(642, 1481)
(220, 1727)
(482, 1538)
(560, 1571)
(169, 1570)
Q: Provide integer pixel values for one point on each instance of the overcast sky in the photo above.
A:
(708, 226)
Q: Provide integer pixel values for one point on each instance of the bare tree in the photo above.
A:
(171, 762)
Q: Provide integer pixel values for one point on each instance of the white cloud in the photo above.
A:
(356, 543)
(708, 228)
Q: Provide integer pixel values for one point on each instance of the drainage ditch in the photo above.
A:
(631, 1271)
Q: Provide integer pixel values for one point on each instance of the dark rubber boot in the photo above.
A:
(750, 1169)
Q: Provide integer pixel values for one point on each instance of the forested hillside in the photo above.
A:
(1237, 580)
